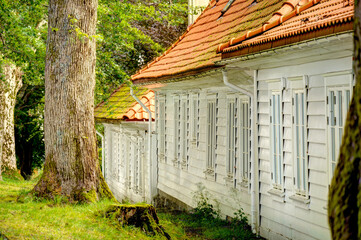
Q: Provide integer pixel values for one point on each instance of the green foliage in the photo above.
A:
(23, 30)
(134, 33)
(205, 211)
(130, 34)
(206, 217)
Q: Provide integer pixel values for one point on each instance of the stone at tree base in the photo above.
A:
(143, 216)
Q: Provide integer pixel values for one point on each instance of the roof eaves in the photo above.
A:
(177, 77)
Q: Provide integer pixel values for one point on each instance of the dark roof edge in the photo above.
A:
(288, 40)
(177, 77)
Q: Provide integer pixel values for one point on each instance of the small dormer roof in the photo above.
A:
(121, 106)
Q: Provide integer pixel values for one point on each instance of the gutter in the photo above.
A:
(149, 140)
(103, 151)
(254, 166)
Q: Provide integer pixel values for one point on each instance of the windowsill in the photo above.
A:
(300, 201)
(161, 158)
(184, 164)
(243, 184)
(209, 173)
(228, 180)
(277, 194)
(175, 162)
(300, 198)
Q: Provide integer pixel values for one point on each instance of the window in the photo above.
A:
(176, 131)
(188, 131)
(136, 164)
(300, 142)
(276, 139)
(245, 140)
(115, 154)
(211, 134)
(338, 100)
(232, 138)
(161, 132)
(194, 117)
(238, 141)
(183, 132)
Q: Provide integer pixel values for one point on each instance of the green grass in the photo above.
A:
(196, 227)
(26, 217)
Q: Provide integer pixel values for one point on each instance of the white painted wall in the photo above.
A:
(284, 214)
(126, 161)
(181, 181)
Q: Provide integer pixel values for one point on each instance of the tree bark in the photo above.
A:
(24, 151)
(344, 203)
(10, 84)
(71, 168)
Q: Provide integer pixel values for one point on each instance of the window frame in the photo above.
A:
(238, 143)
(300, 136)
(183, 131)
(161, 128)
(176, 128)
(211, 134)
(332, 156)
(279, 185)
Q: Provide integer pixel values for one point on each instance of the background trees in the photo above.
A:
(132, 33)
(22, 44)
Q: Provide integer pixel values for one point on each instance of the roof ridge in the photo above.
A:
(282, 15)
(173, 45)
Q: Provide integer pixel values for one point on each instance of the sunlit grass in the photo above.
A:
(27, 218)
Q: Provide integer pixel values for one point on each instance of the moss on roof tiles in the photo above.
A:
(119, 102)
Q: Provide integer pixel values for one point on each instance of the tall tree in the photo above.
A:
(71, 167)
(344, 203)
(10, 83)
(22, 43)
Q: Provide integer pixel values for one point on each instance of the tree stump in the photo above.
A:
(143, 216)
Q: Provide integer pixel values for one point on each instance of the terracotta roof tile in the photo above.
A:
(122, 106)
(196, 49)
(244, 25)
(323, 15)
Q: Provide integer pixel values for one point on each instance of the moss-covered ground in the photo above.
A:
(26, 217)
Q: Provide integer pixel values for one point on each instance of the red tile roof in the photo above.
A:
(246, 23)
(122, 106)
(196, 48)
(326, 18)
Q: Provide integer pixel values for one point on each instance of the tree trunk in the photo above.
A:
(71, 168)
(24, 151)
(143, 216)
(10, 84)
(344, 203)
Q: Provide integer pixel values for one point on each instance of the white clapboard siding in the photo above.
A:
(126, 162)
(182, 183)
(284, 217)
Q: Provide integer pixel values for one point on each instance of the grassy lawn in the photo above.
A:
(29, 218)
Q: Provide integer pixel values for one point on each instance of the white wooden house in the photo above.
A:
(126, 144)
(251, 103)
